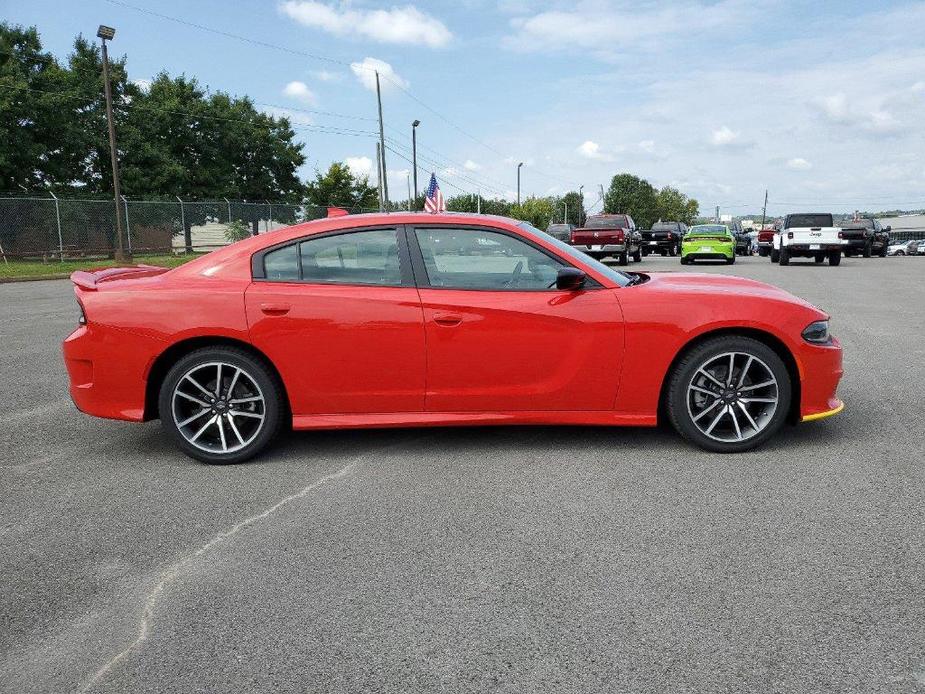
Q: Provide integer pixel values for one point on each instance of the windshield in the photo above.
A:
(621, 278)
(708, 230)
(809, 220)
(607, 222)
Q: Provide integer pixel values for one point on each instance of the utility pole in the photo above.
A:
(409, 192)
(581, 204)
(764, 210)
(717, 215)
(414, 154)
(478, 202)
(603, 204)
(104, 33)
(565, 214)
(385, 183)
(379, 173)
(518, 183)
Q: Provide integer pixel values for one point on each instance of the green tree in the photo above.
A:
(672, 205)
(570, 204)
(634, 196)
(338, 187)
(537, 211)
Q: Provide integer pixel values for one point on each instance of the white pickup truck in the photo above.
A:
(808, 235)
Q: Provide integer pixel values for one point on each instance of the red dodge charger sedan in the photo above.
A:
(418, 319)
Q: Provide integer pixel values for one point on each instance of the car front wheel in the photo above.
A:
(221, 405)
(729, 394)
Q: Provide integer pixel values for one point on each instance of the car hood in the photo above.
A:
(707, 284)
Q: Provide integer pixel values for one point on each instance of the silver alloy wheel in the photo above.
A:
(732, 397)
(218, 407)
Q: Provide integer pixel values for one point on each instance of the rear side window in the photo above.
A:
(360, 257)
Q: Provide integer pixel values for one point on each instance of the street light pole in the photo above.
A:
(385, 180)
(104, 33)
(414, 154)
(518, 183)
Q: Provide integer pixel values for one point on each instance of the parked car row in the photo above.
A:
(800, 235)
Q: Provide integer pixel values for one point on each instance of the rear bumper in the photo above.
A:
(601, 248)
(106, 369)
(860, 244)
(812, 248)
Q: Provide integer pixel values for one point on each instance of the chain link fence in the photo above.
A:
(62, 228)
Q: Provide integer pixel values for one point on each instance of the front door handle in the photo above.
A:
(447, 320)
(272, 309)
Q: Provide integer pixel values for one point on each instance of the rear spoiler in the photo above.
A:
(89, 279)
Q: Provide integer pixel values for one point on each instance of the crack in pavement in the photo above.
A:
(174, 570)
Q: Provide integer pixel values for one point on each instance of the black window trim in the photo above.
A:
(420, 271)
(259, 272)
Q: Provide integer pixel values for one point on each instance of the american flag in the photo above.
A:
(434, 201)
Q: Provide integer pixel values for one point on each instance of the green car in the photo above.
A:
(708, 242)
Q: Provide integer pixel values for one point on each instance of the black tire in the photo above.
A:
(731, 261)
(623, 259)
(684, 372)
(257, 371)
(819, 258)
(775, 255)
(883, 250)
(784, 256)
(834, 258)
(637, 257)
(672, 251)
(868, 250)
(645, 252)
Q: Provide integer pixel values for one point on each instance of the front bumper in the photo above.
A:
(820, 373)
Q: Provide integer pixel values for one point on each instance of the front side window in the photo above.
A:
(481, 259)
(359, 257)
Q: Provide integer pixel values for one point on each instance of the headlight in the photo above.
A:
(817, 332)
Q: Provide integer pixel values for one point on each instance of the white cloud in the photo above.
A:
(359, 166)
(592, 150)
(403, 25)
(647, 146)
(726, 137)
(326, 76)
(860, 114)
(604, 29)
(366, 73)
(299, 91)
(471, 165)
(799, 164)
(294, 117)
(143, 84)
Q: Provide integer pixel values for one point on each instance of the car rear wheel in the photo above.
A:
(775, 255)
(221, 405)
(731, 261)
(868, 250)
(637, 257)
(784, 257)
(818, 258)
(623, 259)
(835, 258)
(729, 394)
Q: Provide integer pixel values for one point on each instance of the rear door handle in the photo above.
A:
(447, 319)
(275, 309)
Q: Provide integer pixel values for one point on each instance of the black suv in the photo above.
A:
(562, 232)
(664, 238)
(743, 240)
(865, 237)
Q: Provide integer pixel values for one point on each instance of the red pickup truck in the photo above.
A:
(766, 241)
(609, 234)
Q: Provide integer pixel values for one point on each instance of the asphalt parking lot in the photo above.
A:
(490, 559)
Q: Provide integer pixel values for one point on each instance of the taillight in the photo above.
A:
(841, 235)
(789, 234)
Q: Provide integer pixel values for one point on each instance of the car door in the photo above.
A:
(500, 336)
(339, 316)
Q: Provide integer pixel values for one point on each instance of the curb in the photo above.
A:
(33, 278)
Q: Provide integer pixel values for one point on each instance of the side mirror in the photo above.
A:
(570, 278)
(888, 227)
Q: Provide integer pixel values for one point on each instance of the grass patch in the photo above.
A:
(16, 269)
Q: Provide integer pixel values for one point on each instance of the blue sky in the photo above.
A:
(822, 103)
